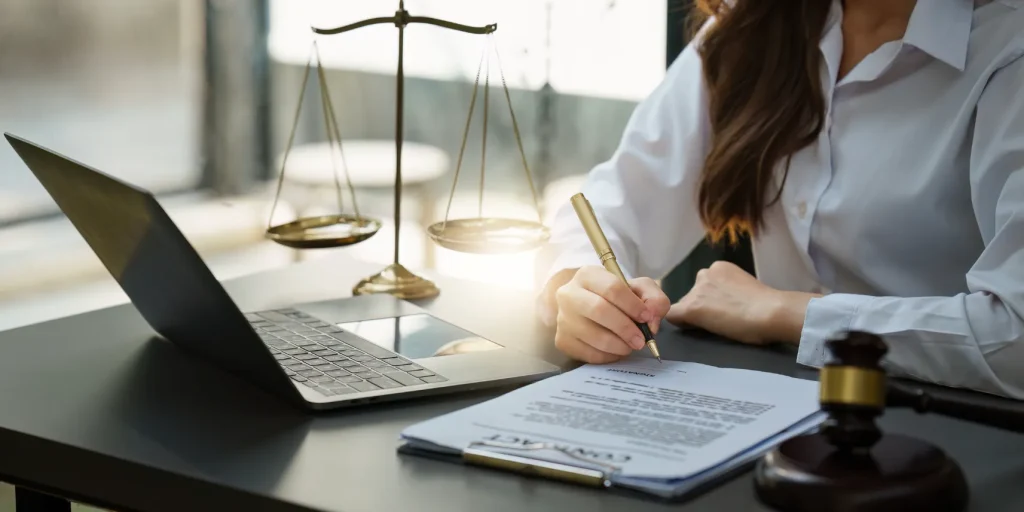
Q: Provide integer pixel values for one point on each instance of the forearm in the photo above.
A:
(973, 341)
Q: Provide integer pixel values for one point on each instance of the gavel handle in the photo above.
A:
(991, 411)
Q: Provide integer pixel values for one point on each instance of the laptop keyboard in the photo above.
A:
(330, 360)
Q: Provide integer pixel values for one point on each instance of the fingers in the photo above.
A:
(614, 291)
(681, 312)
(580, 351)
(654, 299)
(597, 336)
(598, 313)
(603, 313)
(688, 314)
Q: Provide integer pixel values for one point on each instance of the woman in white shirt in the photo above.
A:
(873, 149)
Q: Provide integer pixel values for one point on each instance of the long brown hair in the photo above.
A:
(762, 69)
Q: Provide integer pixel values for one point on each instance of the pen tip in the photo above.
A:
(654, 349)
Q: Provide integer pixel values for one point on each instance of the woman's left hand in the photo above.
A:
(728, 301)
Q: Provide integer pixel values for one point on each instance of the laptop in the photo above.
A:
(321, 355)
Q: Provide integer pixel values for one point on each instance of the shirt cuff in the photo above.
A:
(827, 318)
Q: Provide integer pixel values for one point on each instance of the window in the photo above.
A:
(112, 83)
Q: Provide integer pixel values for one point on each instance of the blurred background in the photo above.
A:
(194, 100)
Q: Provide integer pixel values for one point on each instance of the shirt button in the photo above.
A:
(801, 209)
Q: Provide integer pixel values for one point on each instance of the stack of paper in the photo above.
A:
(662, 429)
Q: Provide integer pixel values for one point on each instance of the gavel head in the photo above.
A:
(853, 391)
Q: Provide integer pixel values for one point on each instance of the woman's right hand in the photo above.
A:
(597, 314)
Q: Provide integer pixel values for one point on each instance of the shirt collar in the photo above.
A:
(942, 29)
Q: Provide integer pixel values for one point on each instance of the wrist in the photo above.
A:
(786, 316)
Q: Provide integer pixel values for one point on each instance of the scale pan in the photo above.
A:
(324, 231)
(489, 235)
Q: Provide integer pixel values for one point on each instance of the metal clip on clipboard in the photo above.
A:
(541, 468)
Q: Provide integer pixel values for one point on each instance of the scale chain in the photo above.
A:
(330, 139)
(291, 139)
(483, 137)
(465, 138)
(329, 107)
(465, 135)
(519, 140)
(333, 133)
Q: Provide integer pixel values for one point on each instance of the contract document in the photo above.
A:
(663, 428)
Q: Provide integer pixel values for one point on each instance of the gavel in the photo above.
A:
(850, 465)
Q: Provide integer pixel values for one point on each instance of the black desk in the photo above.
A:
(95, 410)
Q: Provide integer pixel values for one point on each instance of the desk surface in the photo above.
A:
(95, 409)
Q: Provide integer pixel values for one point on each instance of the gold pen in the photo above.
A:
(604, 251)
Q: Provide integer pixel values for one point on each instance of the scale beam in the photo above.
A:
(402, 18)
(353, 26)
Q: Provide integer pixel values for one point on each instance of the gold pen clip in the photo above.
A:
(588, 219)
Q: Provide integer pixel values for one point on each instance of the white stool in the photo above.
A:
(371, 166)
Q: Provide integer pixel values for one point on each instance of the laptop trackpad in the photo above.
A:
(419, 336)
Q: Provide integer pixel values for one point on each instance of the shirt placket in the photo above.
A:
(818, 169)
(873, 66)
(817, 175)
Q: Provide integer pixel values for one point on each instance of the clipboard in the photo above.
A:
(502, 434)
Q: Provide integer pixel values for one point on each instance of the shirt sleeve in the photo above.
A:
(974, 340)
(644, 196)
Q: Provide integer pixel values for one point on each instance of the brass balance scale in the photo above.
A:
(480, 235)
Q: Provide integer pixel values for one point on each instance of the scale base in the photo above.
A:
(808, 474)
(398, 281)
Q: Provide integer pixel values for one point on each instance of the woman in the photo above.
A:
(873, 149)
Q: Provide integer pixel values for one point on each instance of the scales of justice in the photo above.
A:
(481, 235)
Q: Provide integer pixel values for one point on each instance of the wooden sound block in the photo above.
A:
(807, 474)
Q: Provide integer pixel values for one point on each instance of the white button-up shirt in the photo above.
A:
(908, 211)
